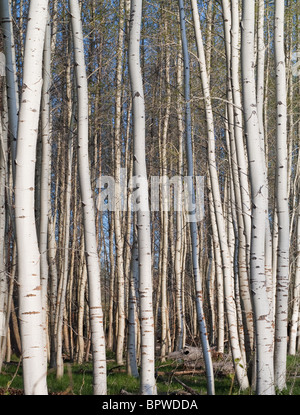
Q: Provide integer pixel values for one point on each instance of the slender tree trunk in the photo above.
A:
(165, 213)
(53, 291)
(81, 304)
(4, 295)
(282, 283)
(45, 173)
(11, 74)
(118, 212)
(262, 309)
(110, 335)
(244, 228)
(148, 385)
(132, 313)
(179, 216)
(219, 273)
(227, 266)
(65, 266)
(193, 224)
(92, 259)
(296, 295)
(30, 302)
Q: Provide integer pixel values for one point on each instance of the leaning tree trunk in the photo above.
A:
(4, 294)
(148, 386)
(227, 267)
(30, 304)
(193, 223)
(92, 259)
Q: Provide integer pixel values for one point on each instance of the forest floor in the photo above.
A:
(173, 377)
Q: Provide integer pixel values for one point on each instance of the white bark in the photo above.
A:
(65, 265)
(81, 301)
(260, 94)
(219, 273)
(30, 304)
(227, 266)
(118, 212)
(45, 173)
(92, 259)
(148, 386)
(4, 312)
(165, 214)
(53, 290)
(178, 269)
(11, 72)
(239, 165)
(193, 224)
(282, 283)
(296, 296)
(261, 305)
(132, 313)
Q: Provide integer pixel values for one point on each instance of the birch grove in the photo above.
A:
(149, 194)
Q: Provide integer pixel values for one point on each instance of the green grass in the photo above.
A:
(293, 376)
(77, 379)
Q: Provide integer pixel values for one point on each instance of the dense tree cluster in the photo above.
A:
(96, 90)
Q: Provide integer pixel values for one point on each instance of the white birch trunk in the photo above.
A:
(282, 283)
(178, 269)
(65, 265)
(82, 287)
(11, 73)
(261, 305)
(45, 173)
(219, 273)
(260, 94)
(148, 386)
(132, 313)
(296, 295)
(4, 312)
(92, 259)
(118, 212)
(53, 291)
(193, 224)
(238, 165)
(165, 215)
(30, 303)
(227, 266)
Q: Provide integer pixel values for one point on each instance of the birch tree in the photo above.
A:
(282, 283)
(227, 269)
(178, 268)
(11, 72)
(4, 295)
(193, 224)
(45, 173)
(118, 208)
(92, 259)
(30, 302)
(259, 289)
(147, 378)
